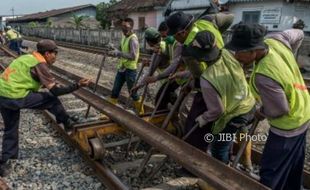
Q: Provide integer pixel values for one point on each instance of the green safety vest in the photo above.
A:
(227, 77)
(16, 81)
(125, 63)
(169, 50)
(12, 34)
(198, 26)
(280, 65)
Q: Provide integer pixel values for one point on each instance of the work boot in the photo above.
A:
(138, 107)
(171, 128)
(103, 116)
(5, 169)
(246, 158)
(68, 125)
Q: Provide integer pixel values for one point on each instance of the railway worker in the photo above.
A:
(14, 39)
(277, 82)
(2, 38)
(184, 29)
(127, 66)
(161, 59)
(226, 94)
(19, 85)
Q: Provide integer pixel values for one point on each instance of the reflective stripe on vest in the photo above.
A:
(280, 65)
(125, 63)
(16, 81)
(227, 77)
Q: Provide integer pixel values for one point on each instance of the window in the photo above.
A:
(141, 24)
(251, 17)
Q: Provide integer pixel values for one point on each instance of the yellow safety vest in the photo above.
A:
(125, 63)
(227, 77)
(280, 65)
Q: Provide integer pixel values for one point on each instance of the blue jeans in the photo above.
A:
(10, 111)
(128, 76)
(15, 46)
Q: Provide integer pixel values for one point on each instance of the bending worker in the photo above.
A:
(277, 82)
(226, 94)
(19, 85)
(160, 60)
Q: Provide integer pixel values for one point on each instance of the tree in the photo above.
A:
(77, 21)
(101, 13)
(33, 24)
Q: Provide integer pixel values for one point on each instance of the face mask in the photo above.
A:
(169, 39)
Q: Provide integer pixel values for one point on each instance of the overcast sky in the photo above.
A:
(32, 6)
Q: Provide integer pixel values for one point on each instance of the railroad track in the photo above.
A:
(210, 170)
(86, 48)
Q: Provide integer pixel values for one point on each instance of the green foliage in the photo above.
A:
(33, 24)
(49, 23)
(77, 21)
(102, 16)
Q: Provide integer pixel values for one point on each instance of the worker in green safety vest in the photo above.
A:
(160, 60)
(14, 38)
(278, 84)
(228, 102)
(127, 66)
(19, 89)
(184, 27)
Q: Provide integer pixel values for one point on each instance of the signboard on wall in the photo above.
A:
(271, 16)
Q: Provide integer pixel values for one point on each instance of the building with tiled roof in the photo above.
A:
(57, 16)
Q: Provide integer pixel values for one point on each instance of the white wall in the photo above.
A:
(290, 12)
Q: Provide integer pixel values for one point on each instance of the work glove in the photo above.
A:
(115, 53)
(146, 62)
(201, 121)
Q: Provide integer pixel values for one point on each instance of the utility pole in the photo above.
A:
(12, 9)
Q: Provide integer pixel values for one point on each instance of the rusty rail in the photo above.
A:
(212, 171)
(105, 174)
(209, 169)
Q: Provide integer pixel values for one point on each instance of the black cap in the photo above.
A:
(46, 45)
(247, 37)
(203, 47)
(178, 22)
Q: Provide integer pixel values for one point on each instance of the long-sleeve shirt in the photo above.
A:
(275, 104)
(292, 38)
(175, 62)
(212, 100)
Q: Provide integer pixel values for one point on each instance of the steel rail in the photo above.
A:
(87, 48)
(209, 169)
(217, 169)
(109, 179)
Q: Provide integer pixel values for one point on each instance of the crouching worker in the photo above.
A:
(229, 102)
(19, 85)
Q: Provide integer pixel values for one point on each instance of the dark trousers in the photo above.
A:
(169, 96)
(128, 76)
(283, 161)
(15, 45)
(220, 146)
(10, 111)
